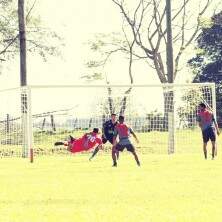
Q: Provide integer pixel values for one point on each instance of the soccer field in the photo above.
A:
(180, 187)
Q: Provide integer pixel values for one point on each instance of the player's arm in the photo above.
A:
(216, 126)
(134, 135)
(96, 150)
(199, 121)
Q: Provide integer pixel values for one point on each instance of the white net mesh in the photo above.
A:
(162, 116)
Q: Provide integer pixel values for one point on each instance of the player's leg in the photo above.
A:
(117, 151)
(205, 150)
(215, 153)
(131, 149)
(205, 135)
(71, 138)
(70, 143)
(212, 136)
(213, 149)
(117, 154)
(59, 143)
(114, 148)
(136, 157)
(104, 140)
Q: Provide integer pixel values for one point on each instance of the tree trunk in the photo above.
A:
(22, 40)
(23, 81)
(124, 102)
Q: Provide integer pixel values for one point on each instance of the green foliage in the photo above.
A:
(94, 76)
(39, 40)
(207, 64)
(103, 47)
(206, 22)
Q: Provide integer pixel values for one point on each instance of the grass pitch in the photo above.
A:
(180, 188)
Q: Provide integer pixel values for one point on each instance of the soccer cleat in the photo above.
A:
(71, 138)
(114, 165)
(58, 143)
(138, 164)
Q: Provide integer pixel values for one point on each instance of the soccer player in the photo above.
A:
(108, 133)
(208, 125)
(86, 142)
(123, 131)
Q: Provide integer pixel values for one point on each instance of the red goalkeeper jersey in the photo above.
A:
(87, 142)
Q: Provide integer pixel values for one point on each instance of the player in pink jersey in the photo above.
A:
(87, 142)
(208, 127)
(123, 131)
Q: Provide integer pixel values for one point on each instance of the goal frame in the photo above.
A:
(28, 143)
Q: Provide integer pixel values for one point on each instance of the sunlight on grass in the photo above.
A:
(165, 188)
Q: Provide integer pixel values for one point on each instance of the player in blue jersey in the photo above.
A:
(108, 133)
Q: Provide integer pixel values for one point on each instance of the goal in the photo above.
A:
(163, 115)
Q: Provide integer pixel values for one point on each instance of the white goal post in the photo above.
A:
(163, 115)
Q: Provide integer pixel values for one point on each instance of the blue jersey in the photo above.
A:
(108, 129)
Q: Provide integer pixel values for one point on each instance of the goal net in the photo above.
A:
(162, 116)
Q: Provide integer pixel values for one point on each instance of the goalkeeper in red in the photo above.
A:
(87, 142)
(123, 131)
(209, 128)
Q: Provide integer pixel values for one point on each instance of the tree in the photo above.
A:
(39, 40)
(207, 64)
(145, 36)
(144, 28)
(99, 45)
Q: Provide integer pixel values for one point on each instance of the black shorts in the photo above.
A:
(105, 139)
(209, 134)
(121, 147)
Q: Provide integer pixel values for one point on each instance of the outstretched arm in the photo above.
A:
(216, 126)
(134, 135)
(96, 150)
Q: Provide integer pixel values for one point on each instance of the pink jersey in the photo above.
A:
(206, 118)
(122, 130)
(87, 142)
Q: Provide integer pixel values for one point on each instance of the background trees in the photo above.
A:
(207, 63)
(39, 39)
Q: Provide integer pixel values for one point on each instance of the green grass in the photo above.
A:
(181, 188)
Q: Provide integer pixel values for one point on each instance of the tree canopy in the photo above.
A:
(207, 63)
(39, 39)
(144, 33)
